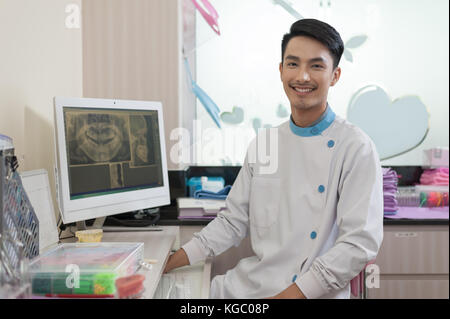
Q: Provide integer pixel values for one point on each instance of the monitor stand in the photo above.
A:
(98, 224)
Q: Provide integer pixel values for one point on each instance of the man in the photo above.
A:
(317, 220)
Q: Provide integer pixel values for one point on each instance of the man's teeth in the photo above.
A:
(303, 90)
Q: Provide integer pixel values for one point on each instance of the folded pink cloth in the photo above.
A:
(438, 176)
(357, 283)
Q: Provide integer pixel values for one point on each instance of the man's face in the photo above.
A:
(307, 73)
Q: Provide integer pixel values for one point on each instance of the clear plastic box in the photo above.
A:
(407, 196)
(432, 195)
(84, 268)
(423, 196)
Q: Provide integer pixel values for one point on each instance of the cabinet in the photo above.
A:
(413, 262)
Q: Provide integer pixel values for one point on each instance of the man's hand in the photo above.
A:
(176, 260)
(291, 292)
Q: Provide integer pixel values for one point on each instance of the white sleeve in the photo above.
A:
(360, 224)
(230, 226)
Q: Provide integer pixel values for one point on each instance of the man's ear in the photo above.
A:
(336, 76)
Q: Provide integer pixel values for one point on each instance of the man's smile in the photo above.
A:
(302, 90)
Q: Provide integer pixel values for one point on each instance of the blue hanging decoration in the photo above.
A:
(211, 107)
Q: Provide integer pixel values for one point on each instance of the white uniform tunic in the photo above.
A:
(316, 220)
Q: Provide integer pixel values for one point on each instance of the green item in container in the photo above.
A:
(423, 199)
(85, 286)
(41, 284)
(104, 283)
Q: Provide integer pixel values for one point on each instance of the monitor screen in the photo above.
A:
(109, 153)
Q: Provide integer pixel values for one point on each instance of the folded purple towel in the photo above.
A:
(390, 183)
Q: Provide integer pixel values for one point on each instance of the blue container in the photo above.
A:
(213, 184)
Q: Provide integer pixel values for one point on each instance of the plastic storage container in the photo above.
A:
(432, 196)
(407, 196)
(84, 268)
(423, 196)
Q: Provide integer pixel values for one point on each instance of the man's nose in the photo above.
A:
(303, 75)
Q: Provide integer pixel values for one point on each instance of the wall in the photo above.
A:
(132, 51)
(124, 49)
(39, 58)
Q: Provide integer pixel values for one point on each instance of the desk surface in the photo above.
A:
(157, 246)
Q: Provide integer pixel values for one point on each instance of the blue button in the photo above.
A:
(321, 189)
(313, 235)
(331, 144)
(314, 131)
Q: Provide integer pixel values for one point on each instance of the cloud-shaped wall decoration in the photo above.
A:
(396, 127)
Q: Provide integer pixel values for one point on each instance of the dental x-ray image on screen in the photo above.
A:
(97, 138)
(112, 150)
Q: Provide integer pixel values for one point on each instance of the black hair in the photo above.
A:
(320, 31)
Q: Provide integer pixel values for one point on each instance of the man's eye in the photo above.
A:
(317, 66)
(292, 64)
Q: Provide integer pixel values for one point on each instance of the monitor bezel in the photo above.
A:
(74, 210)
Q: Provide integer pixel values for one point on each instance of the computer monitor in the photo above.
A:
(110, 157)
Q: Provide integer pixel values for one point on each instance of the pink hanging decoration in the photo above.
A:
(211, 16)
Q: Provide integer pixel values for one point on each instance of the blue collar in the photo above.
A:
(318, 127)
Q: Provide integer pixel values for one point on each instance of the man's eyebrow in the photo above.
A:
(296, 58)
(319, 59)
(293, 57)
